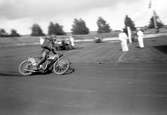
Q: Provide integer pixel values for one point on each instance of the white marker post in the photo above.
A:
(140, 38)
(129, 35)
(123, 38)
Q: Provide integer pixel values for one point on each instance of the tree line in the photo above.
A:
(13, 33)
(79, 27)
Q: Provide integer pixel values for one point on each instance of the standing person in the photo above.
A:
(72, 41)
(123, 38)
(140, 36)
(41, 40)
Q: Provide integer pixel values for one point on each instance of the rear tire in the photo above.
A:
(61, 66)
(23, 66)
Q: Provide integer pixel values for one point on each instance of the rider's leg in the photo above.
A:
(43, 59)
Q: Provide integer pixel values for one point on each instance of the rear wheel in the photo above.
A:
(24, 67)
(61, 66)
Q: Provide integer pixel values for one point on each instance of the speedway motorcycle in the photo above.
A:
(59, 64)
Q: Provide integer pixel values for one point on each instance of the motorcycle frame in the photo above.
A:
(46, 65)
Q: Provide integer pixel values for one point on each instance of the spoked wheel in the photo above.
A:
(61, 66)
(24, 67)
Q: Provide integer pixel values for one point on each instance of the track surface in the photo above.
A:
(100, 85)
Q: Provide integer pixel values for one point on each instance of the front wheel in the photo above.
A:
(61, 66)
(24, 67)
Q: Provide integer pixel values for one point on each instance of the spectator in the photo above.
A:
(123, 38)
(72, 42)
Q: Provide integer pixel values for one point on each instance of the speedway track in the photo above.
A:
(100, 85)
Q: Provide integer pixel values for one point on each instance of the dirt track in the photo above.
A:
(100, 85)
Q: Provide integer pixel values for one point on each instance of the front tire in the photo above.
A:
(61, 66)
(25, 65)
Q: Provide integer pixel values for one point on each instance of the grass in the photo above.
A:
(12, 41)
(90, 52)
(154, 51)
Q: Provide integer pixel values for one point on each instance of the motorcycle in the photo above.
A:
(59, 64)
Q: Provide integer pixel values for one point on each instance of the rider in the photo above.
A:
(47, 47)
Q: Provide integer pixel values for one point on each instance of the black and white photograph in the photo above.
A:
(83, 57)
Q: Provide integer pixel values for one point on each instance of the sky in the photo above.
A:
(22, 14)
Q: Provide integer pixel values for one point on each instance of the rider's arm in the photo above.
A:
(53, 51)
(52, 47)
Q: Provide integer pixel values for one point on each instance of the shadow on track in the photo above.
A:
(71, 70)
(162, 48)
(16, 74)
(6, 74)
